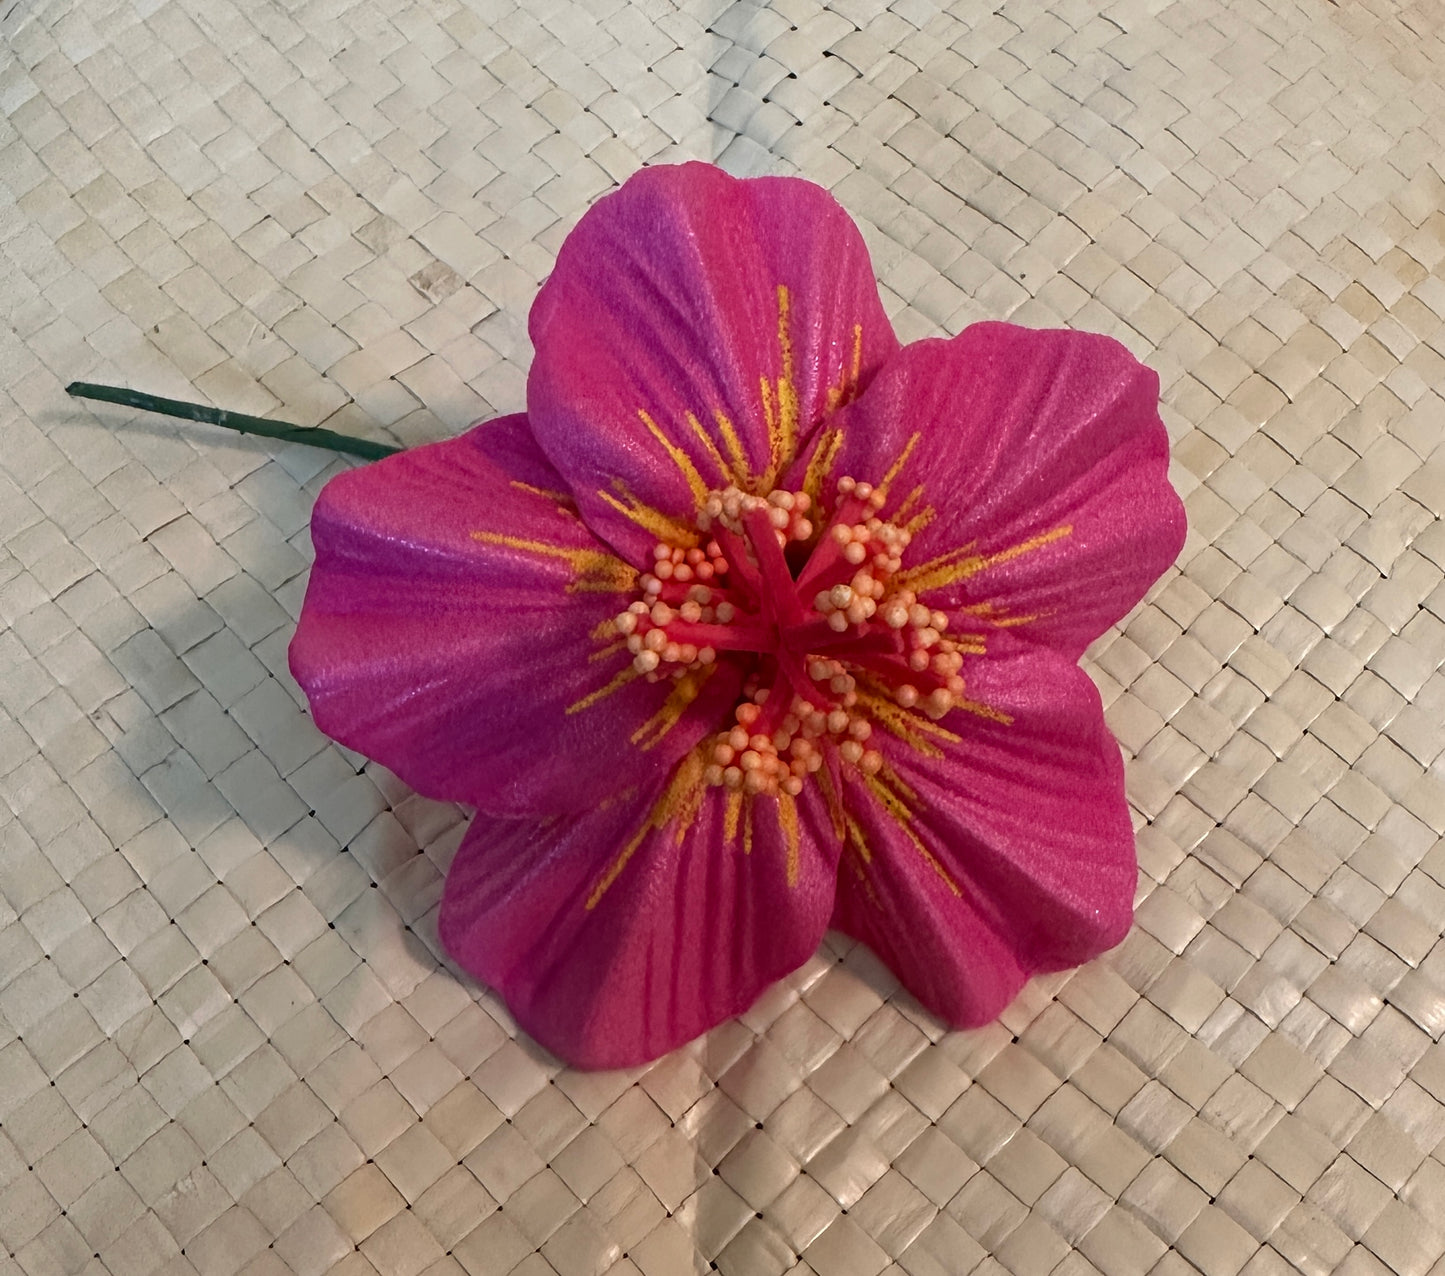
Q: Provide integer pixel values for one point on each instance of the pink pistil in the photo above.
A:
(779, 592)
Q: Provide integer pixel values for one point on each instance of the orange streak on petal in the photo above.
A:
(835, 805)
(725, 474)
(650, 519)
(905, 506)
(679, 458)
(859, 840)
(563, 500)
(847, 388)
(914, 729)
(788, 820)
(821, 463)
(741, 473)
(959, 564)
(684, 691)
(619, 680)
(615, 871)
(595, 570)
(897, 467)
(680, 801)
(782, 415)
(731, 814)
(903, 817)
(984, 711)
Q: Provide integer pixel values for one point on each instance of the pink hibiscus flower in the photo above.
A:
(754, 624)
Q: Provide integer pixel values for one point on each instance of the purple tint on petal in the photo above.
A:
(665, 303)
(444, 633)
(1044, 461)
(1025, 817)
(688, 933)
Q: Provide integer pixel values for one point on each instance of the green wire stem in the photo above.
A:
(313, 436)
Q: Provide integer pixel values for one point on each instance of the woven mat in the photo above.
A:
(227, 1042)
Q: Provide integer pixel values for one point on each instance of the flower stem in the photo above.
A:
(243, 424)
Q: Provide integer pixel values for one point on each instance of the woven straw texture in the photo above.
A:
(227, 1041)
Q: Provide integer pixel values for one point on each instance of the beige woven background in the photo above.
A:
(226, 1041)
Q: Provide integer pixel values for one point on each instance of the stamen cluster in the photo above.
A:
(751, 759)
(859, 621)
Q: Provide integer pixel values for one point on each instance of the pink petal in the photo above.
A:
(665, 303)
(437, 638)
(610, 959)
(1044, 460)
(1027, 861)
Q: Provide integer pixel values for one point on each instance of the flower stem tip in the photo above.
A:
(313, 436)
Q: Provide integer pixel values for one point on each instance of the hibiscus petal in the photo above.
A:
(613, 941)
(449, 632)
(1015, 852)
(1043, 461)
(694, 332)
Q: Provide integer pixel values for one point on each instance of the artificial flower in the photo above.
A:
(754, 624)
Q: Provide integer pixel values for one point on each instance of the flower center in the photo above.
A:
(827, 648)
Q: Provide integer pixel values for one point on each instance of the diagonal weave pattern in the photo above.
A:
(227, 1043)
